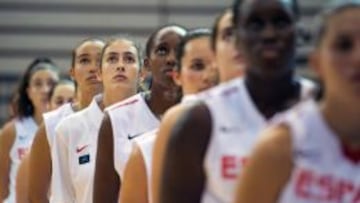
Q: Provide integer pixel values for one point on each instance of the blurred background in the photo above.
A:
(33, 28)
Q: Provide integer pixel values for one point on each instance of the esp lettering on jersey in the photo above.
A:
(315, 187)
(230, 166)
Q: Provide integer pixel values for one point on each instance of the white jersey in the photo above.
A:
(321, 173)
(52, 118)
(236, 122)
(146, 144)
(25, 130)
(129, 118)
(74, 150)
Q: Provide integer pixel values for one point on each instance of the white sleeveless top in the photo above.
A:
(25, 130)
(146, 144)
(52, 118)
(321, 173)
(129, 118)
(74, 150)
(236, 122)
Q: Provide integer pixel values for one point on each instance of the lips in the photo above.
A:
(92, 78)
(168, 72)
(270, 49)
(120, 77)
(239, 58)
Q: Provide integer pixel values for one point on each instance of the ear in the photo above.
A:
(315, 64)
(145, 70)
(147, 67)
(72, 73)
(177, 78)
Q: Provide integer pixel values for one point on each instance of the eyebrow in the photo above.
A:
(129, 53)
(162, 44)
(197, 60)
(113, 53)
(83, 55)
(125, 53)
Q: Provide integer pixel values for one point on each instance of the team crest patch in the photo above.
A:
(84, 159)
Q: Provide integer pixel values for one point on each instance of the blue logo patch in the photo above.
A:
(84, 159)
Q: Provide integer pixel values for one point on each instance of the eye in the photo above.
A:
(112, 59)
(161, 50)
(129, 59)
(59, 102)
(51, 83)
(255, 24)
(37, 83)
(227, 33)
(344, 44)
(198, 66)
(84, 61)
(281, 22)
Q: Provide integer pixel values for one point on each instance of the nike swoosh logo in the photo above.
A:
(130, 137)
(80, 149)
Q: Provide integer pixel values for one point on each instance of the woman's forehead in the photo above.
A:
(165, 33)
(250, 6)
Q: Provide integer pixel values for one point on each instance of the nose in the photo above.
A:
(268, 33)
(171, 60)
(120, 68)
(94, 67)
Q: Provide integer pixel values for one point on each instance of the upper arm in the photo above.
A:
(134, 188)
(22, 177)
(160, 145)
(106, 182)
(39, 167)
(268, 168)
(182, 176)
(7, 139)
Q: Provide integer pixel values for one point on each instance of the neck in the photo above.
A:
(162, 98)
(110, 98)
(272, 95)
(38, 117)
(343, 121)
(85, 97)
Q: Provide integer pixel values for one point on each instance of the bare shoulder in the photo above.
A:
(180, 117)
(7, 135)
(135, 165)
(275, 142)
(268, 168)
(136, 156)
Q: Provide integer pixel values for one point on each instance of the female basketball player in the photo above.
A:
(138, 114)
(230, 65)
(84, 63)
(194, 72)
(210, 142)
(76, 136)
(18, 135)
(313, 155)
(62, 92)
